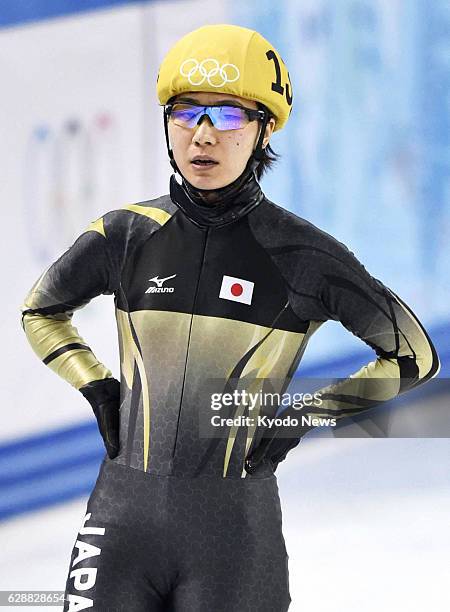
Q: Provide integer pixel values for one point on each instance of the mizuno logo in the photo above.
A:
(159, 285)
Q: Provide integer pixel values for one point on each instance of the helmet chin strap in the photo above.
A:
(221, 192)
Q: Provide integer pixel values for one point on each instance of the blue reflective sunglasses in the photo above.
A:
(225, 117)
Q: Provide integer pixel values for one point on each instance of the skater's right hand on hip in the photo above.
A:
(104, 397)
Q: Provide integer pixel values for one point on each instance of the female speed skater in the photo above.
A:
(211, 281)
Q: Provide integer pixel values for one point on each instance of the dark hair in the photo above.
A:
(269, 156)
(268, 160)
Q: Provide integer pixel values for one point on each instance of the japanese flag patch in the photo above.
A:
(236, 289)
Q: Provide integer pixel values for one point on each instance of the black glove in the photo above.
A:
(104, 397)
(274, 446)
(271, 449)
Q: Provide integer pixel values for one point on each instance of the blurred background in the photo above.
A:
(365, 156)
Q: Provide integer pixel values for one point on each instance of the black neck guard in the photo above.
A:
(225, 205)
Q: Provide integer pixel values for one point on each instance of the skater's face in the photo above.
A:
(231, 149)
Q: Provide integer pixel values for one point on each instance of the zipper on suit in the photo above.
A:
(189, 340)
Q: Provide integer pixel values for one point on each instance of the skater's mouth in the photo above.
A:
(203, 161)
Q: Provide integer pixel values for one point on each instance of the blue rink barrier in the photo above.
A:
(16, 12)
(49, 468)
(53, 467)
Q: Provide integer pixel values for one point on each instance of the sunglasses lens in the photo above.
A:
(229, 117)
(185, 115)
(222, 117)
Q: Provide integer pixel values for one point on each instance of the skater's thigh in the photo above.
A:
(108, 572)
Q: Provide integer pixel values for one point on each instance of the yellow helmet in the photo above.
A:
(228, 59)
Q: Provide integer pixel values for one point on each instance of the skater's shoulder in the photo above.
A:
(158, 209)
(134, 218)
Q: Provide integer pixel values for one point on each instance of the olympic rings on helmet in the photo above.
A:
(209, 75)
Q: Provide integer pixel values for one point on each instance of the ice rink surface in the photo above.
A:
(366, 524)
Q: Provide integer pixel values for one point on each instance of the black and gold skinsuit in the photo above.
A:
(185, 524)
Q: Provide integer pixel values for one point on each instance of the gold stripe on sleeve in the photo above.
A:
(48, 334)
(420, 344)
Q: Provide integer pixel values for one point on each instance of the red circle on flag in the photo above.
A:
(236, 289)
